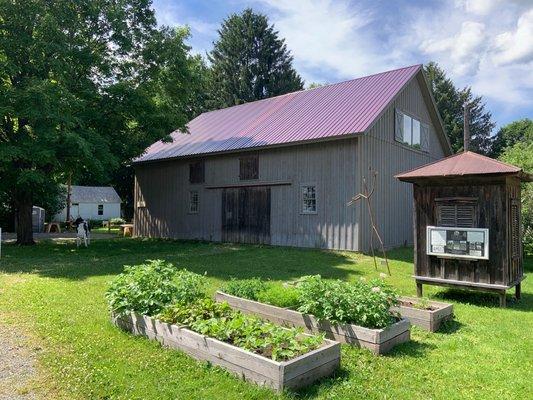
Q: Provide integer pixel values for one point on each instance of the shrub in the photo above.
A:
(527, 241)
(361, 303)
(95, 223)
(281, 296)
(219, 321)
(117, 221)
(245, 288)
(148, 287)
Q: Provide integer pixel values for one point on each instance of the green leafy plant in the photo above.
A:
(362, 303)
(245, 288)
(281, 296)
(147, 288)
(219, 321)
(117, 221)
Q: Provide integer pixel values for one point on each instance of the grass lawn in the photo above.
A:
(54, 293)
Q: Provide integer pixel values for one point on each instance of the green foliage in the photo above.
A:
(219, 321)
(147, 288)
(360, 303)
(521, 155)
(85, 86)
(450, 101)
(249, 62)
(511, 134)
(93, 223)
(281, 296)
(117, 221)
(245, 288)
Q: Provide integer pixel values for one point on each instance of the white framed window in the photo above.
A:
(308, 199)
(100, 209)
(194, 202)
(410, 131)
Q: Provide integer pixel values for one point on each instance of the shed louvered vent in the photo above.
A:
(456, 213)
(515, 229)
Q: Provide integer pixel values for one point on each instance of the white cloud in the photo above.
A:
(515, 46)
(464, 48)
(327, 35)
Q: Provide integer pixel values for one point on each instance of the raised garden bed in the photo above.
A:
(379, 341)
(427, 315)
(292, 374)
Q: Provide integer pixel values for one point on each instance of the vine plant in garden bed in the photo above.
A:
(356, 313)
(158, 301)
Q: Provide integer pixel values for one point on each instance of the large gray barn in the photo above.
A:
(281, 170)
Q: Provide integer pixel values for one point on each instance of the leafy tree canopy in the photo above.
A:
(250, 62)
(450, 101)
(84, 87)
(510, 134)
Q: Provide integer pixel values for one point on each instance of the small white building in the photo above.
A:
(92, 202)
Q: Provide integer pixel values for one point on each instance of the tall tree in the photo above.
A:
(510, 134)
(450, 102)
(84, 86)
(250, 62)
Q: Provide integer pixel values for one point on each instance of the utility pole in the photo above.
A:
(466, 127)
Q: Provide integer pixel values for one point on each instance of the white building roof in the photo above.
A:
(94, 194)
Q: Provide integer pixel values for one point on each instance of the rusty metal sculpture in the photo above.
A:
(366, 195)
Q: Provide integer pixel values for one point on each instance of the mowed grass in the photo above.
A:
(55, 293)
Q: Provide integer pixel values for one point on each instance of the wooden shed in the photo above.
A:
(467, 223)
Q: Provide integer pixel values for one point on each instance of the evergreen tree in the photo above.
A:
(249, 62)
(450, 102)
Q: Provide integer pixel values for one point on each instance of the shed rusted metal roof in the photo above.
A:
(461, 164)
(325, 112)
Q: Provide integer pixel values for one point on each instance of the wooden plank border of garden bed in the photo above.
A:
(379, 341)
(296, 373)
(429, 320)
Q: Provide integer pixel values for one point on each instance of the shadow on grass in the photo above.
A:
(412, 348)
(485, 299)
(217, 260)
(450, 326)
(324, 384)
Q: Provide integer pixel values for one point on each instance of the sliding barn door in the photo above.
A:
(246, 215)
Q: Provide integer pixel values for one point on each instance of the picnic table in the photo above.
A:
(52, 227)
(126, 229)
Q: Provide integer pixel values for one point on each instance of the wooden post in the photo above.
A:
(503, 299)
(466, 127)
(418, 289)
(518, 291)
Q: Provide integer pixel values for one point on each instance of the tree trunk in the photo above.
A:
(23, 218)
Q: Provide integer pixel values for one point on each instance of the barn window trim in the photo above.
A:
(249, 167)
(194, 202)
(100, 209)
(417, 128)
(197, 172)
(308, 199)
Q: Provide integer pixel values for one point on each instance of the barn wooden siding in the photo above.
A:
(335, 167)
(393, 200)
(331, 166)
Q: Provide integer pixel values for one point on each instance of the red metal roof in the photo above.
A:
(468, 163)
(334, 110)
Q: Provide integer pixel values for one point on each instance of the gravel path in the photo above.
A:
(17, 365)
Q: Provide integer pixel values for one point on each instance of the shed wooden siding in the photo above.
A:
(393, 200)
(331, 166)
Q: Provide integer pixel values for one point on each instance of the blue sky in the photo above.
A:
(487, 44)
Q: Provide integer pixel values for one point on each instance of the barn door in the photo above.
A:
(246, 215)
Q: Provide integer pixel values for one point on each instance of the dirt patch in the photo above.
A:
(18, 366)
